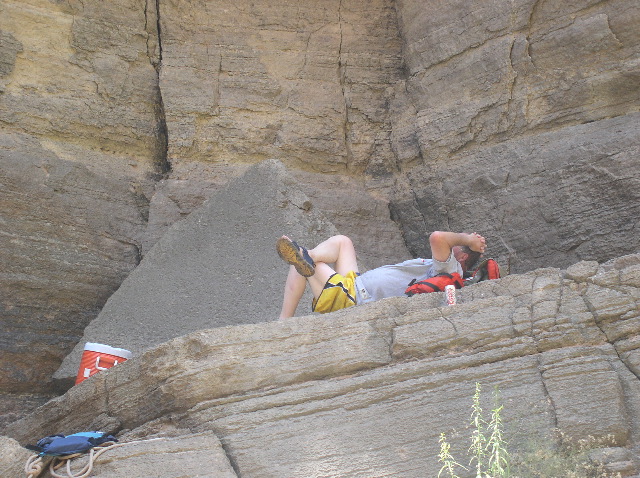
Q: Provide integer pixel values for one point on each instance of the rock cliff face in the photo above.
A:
(365, 392)
(516, 118)
(82, 139)
(519, 119)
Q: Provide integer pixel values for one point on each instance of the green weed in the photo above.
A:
(554, 457)
(488, 452)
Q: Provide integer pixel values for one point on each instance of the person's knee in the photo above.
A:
(344, 239)
(345, 243)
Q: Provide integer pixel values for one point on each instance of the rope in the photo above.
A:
(33, 467)
(35, 464)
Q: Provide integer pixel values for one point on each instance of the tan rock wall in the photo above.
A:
(84, 82)
(477, 72)
(514, 118)
(304, 83)
(499, 89)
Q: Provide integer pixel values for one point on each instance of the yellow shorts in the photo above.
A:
(339, 293)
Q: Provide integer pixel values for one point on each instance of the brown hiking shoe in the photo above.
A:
(296, 255)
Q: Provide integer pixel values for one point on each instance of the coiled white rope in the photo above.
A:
(35, 463)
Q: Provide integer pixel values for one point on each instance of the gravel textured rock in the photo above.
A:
(216, 267)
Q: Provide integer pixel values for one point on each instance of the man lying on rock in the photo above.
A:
(331, 270)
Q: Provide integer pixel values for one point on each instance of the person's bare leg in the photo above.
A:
(295, 285)
(336, 250)
(293, 290)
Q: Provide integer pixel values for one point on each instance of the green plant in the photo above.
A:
(496, 445)
(551, 457)
(478, 440)
(489, 453)
(444, 457)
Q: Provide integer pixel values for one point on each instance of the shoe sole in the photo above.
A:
(290, 254)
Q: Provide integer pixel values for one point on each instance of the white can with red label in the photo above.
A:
(450, 294)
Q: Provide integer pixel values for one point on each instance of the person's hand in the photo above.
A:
(477, 243)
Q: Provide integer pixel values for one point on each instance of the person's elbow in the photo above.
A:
(436, 238)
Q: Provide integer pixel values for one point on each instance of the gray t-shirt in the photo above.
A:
(393, 280)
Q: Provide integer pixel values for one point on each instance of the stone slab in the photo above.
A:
(217, 267)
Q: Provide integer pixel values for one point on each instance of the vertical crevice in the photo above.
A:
(598, 322)
(227, 451)
(546, 393)
(342, 67)
(162, 162)
(154, 52)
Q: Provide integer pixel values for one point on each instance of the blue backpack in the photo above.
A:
(60, 445)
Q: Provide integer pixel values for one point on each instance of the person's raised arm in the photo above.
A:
(443, 241)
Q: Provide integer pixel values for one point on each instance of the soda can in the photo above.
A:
(450, 294)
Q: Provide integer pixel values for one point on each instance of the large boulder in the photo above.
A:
(216, 267)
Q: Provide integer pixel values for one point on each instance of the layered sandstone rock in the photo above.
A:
(305, 82)
(82, 141)
(579, 186)
(192, 455)
(516, 118)
(366, 391)
(520, 119)
(69, 238)
(81, 78)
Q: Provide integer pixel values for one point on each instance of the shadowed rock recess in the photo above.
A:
(366, 391)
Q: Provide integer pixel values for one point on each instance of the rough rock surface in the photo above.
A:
(152, 107)
(80, 78)
(215, 268)
(519, 118)
(343, 200)
(63, 249)
(192, 455)
(12, 458)
(366, 391)
(82, 140)
(303, 81)
(580, 186)
(187, 455)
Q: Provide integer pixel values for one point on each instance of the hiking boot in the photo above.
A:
(296, 255)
